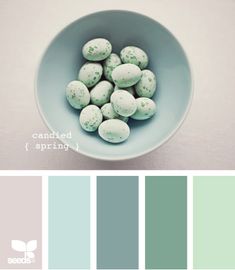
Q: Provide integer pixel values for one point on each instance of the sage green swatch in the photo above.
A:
(214, 222)
(117, 222)
(69, 222)
(166, 222)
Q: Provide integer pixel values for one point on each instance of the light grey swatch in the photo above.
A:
(20, 222)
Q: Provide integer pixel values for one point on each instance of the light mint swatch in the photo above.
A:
(69, 222)
(214, 222)
(166, 222)
(117, 222)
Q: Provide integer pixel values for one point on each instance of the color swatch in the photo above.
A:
(117, 222)
(69, 222)
(21, 222)
(214, 222)
(166, 222)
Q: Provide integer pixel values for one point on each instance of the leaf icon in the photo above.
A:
(18, 245)
(30, 254)
(31, 245)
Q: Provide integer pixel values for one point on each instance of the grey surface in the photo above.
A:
(117, 222)
(205, 29)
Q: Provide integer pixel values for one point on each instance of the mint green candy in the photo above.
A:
(90, 73)
(114, 131)
(101, 92)
(110, 64)
(130, 89)
(77, 94)
(97, 49)
(134, 55)
(146, 108)
(90, 118)
(123, 103)
(146, 86)
(126, 75)
(109, 113)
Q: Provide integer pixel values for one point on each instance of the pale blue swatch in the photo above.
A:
(69, 222)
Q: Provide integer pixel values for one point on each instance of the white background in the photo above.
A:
(204, 27)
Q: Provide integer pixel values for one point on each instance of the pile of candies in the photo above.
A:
(112, 88)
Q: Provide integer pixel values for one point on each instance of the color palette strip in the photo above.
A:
(166, 222)
(116, 209)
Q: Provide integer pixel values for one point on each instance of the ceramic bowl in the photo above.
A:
(63, 58)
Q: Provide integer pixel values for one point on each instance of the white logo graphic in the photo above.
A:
(27, 248)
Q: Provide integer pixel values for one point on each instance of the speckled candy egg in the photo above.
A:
(126, 75)
(90, 118)
(109, 113)
(146, 86)
(123, 103)
(77, 94)
(146, 108)
(114, 131)
(110, 64)
(97, 49)
(130, 89)
(134, 55)
(90, 73)
(101, 93)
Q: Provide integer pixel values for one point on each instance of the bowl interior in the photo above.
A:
(63, 58)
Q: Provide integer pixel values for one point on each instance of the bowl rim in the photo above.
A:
(132, 156)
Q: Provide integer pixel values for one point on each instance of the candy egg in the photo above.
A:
(90, 73)
(109, 113)
(146, 108)
(77, 94)
(146, 86)
(114, 131)
(101, 93)
(110, 64)
(134, 55)
(123, 103)
(90, 118)
(97, 49)
(130, 89)
(126, 75)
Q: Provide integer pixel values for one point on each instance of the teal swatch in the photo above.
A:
(69, 222)
(214, 222)
(166, 222)
(117, 222)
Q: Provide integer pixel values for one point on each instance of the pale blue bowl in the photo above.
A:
(62, 60)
